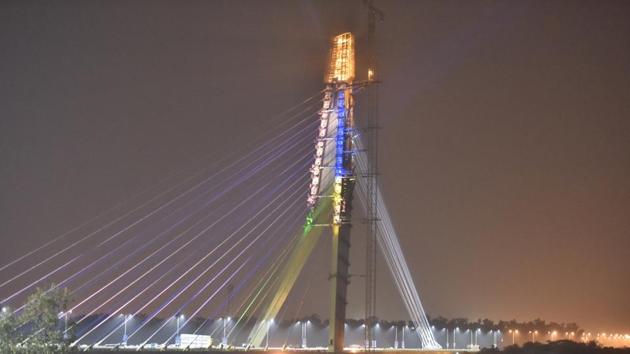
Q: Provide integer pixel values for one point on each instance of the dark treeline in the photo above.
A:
(523, 327)
(559, 347)
(543, 328)
(463, 324)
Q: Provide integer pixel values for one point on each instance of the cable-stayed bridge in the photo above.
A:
(217, 251)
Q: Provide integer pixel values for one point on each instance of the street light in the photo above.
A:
(224, 339)
(267, 339)
(125, 337)
(454, 338)
(304, 326)
(177, 336)
(403, 336)
(513, 332)
(533, 333)
(446, 329)
(65, 324)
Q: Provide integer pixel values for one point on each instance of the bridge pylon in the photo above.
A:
(339, 78)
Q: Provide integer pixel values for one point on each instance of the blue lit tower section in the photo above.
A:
(343, 187)
(343, 156)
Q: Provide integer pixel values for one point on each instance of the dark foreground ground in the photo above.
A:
(559, 347)
(282, 352)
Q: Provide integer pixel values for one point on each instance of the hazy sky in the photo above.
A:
(505, 148)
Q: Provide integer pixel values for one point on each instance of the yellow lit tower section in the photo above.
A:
(332, 175)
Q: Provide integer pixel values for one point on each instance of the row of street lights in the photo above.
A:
(178, 328)
(552, 334)
(473, 334)
(449, 343)
(515, 332)
(303, 326)
(224, 338)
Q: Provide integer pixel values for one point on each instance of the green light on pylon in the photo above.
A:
(314, 214)
(308, 225)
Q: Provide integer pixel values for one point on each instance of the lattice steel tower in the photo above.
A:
(371, 177)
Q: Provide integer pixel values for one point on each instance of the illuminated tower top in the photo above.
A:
(341, 63)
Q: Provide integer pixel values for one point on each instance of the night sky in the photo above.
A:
(505, 148)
